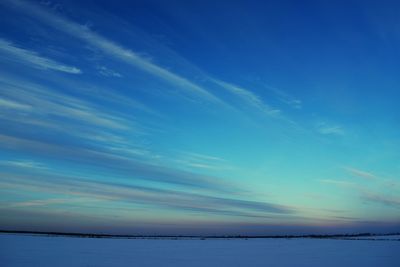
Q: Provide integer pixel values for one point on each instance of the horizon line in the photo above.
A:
(96, 235)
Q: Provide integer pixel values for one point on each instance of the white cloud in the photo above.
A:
(201, 161)
(286, 98)
(103, 70)
(46, 202)
(249, 97)
(113, 49)
(337, 182)
(12, 52)
(171, 199)
(44, 101)
(29, 164)
(203, 157)
(360, 173)
(382, 199)
(9, 104)
(324, 128)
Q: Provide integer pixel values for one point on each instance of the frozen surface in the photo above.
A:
(25, 250)
(379, 237)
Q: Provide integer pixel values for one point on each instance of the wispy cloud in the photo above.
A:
(29, 164)
(104, 71)
(88, 135)
(337, 182)
(382, 199)
(76, 122)
(10, 104)
(329, 129)
(113, 49)
(203, 156)
(200, 161)
(360, 173)
(10, 51)
(172, 199)
(39, 202)
(286, 98)
(249, 98)
(124, 54)
(128, 167)
(364, 193)
(42, 101)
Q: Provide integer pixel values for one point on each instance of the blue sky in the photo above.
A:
(192, 117)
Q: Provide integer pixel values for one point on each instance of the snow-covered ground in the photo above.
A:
(377, 237)
(26, 250)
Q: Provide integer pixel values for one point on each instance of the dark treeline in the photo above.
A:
(92, 235)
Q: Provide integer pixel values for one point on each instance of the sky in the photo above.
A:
(200, 117)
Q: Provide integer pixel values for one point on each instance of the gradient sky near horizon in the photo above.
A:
(192, 117)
